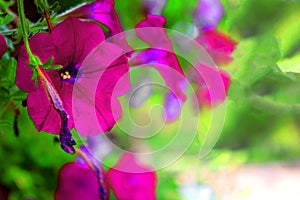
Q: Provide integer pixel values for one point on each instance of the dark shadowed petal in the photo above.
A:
(160, 54)
(208, 14)
(77, 182)
(3, 45)
(131, 180)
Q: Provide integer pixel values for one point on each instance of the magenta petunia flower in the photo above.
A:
(212, 84)
(3, 45)
(208, 14)
(69, 43)
(132, 181)
(77, 182)
(160, 54)
(218, 45)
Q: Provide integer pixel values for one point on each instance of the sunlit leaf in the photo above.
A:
(290, 64)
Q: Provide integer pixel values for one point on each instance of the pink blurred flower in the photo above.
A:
(132, 181)
(3, 45)
(212, 85)
(77, 182)
(69, 43)
(160, 54)
(218, 45)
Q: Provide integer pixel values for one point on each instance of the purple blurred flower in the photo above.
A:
(140, 92)
(69, 43)
(154, 6)
(3, 45)
(131, 180)
(160, 54)
(77, 182)
(208, 14)
(172, 107)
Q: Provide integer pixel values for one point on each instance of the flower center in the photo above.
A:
(68, 74)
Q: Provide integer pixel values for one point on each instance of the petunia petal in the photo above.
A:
(103, 11)
(131, 180)
(104, 78)
(41, 111)
(213, 85)
(3, 45)
(218, 45)
(77, 182)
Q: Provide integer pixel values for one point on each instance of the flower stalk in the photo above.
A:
(48, 20)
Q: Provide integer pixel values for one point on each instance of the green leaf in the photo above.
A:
(5, 4)
(290, 64)
(35, 77)
(48, 63)
(287, 30)
(16, 94)
(6, 19)
(5, 123)
(7, 71)
(256, 57)
(54, 67)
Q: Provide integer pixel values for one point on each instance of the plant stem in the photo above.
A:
(48, 20)
(23, 27)
(269, 105)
